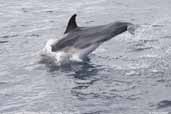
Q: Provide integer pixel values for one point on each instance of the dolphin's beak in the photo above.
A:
(132, 28)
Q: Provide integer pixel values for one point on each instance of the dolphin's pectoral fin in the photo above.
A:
(71, 24)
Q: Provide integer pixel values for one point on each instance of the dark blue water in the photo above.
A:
(126, 75)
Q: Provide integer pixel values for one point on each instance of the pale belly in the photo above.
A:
(67, 54)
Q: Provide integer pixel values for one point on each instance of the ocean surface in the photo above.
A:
(126, 75)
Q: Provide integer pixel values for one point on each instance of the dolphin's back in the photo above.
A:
(79, 38)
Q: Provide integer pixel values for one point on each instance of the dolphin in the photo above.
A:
(78, 42)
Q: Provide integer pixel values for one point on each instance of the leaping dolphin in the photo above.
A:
(79, 42)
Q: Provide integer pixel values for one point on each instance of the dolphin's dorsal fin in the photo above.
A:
(71, 24)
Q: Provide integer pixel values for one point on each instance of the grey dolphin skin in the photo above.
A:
(84, 37)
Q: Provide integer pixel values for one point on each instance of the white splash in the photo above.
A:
(59, 57)
(68, 55)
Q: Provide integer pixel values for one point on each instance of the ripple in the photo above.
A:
(158, 25)
(33, 35)
(166, 37)
(164, 104)
(9, 36)
(142, 48)
(141, 45)
(2, 42)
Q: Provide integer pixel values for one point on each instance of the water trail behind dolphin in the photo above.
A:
(141, 33)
